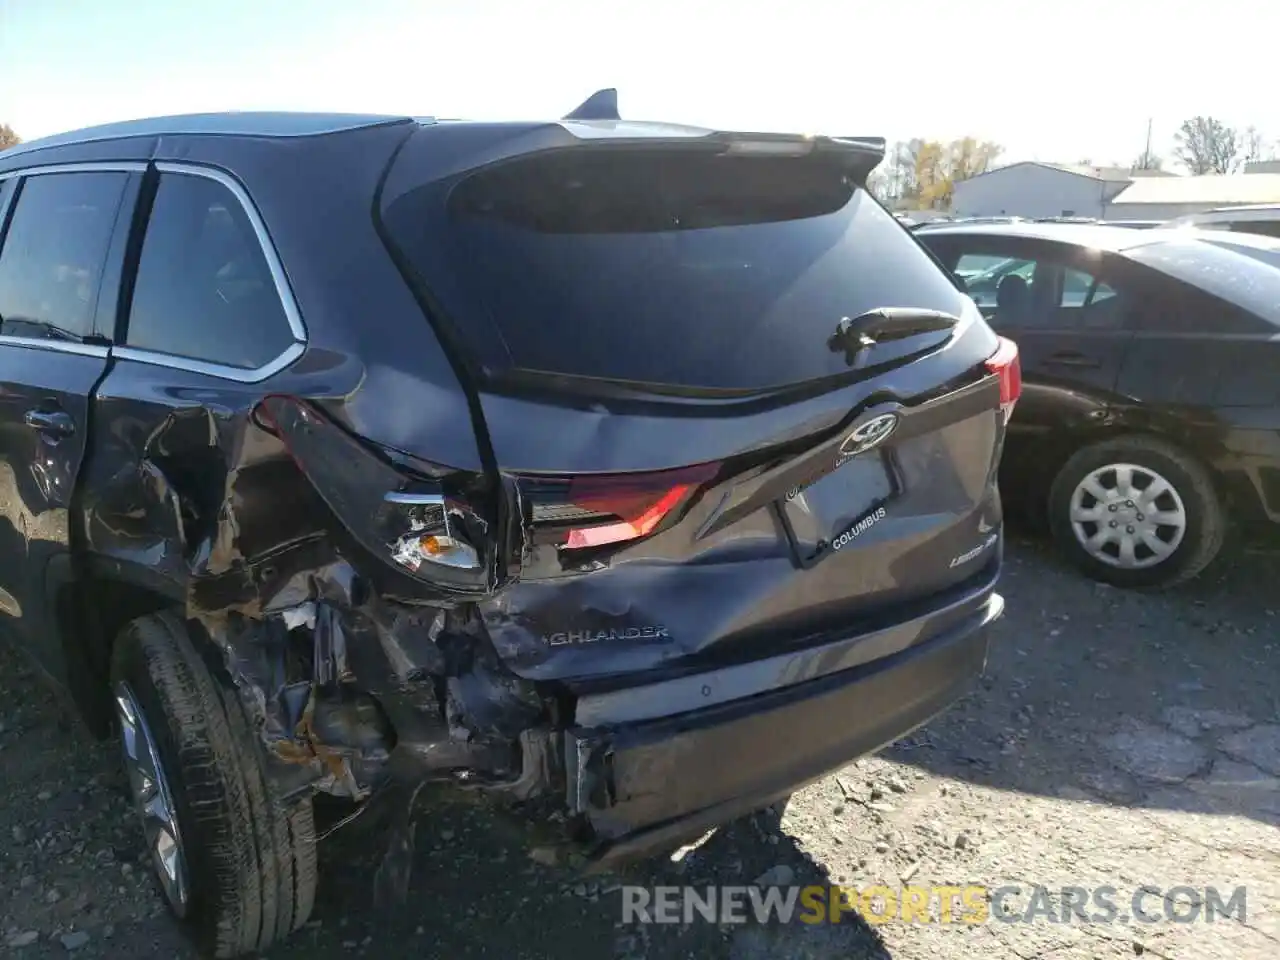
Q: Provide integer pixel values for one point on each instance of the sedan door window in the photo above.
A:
(1087, 303)
(983, 273)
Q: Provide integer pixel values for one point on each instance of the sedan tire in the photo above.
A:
(237, 867)
(1137, 511)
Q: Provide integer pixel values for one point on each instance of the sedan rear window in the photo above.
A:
(1246, 275)
(672, 267)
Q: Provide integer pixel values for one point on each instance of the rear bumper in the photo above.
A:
(653, 784)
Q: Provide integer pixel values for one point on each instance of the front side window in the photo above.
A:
(54, 253)
(204, 290)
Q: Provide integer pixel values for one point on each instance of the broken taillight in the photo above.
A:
(409, 520)
(597, 510)
(1004, 363)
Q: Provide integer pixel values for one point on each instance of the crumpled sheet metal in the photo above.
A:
(453, 707)
(254, 633)
(307, 641)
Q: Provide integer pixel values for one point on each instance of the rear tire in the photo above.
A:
(1137, 512)
(246, 863)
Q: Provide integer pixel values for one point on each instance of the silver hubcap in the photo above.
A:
(1128, 516)
(153, 799)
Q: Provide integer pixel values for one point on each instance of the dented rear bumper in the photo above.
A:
(353, 692)
(654, 783)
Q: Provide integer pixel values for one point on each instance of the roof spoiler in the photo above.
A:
(601, 105)
(858, 155)
(863, 153)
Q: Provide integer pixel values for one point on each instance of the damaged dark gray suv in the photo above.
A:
(628, 475)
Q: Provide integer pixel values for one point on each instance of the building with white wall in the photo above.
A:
(1036, 189)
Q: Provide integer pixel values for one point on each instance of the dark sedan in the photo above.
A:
(1151, 410)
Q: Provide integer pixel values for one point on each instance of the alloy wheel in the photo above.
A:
(153, 799)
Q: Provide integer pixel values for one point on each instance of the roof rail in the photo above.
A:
(601, 105)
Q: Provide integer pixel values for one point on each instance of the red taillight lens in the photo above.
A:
(1004, 363)
(597, 510)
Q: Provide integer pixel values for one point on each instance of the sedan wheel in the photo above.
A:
(1137, 511)
(1128, 516)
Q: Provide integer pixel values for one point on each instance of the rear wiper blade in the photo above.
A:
(885, 324)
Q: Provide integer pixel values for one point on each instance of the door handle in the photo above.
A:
(54, 423)
(1072, 360)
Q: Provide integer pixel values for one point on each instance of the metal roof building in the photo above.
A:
(1162, 198)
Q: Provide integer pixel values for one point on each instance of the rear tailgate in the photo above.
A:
(742, 407)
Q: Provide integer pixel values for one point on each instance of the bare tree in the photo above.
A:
(1207, 145)
(1148, 160)
(7, 137)
(900, 169)
(878, 185)
(1251, 143)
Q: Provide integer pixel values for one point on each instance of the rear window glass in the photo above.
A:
(679, 268)
(1244, 274)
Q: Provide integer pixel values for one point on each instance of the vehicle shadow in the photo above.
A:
(1137, 699)
(74, 864)
(473, 890)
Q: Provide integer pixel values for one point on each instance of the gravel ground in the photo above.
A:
(1119, 739)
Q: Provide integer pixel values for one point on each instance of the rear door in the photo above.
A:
(1072, 326)
(741, 404)
(59, 275)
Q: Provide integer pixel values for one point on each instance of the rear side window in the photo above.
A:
(670, 267)
(54, 253)
(1245, 274)
(204, 290)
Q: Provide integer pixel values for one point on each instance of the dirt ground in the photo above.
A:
(1118, 739)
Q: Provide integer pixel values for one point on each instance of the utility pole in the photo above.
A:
(1146, 154)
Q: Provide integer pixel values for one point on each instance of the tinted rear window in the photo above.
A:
(1244, 274)
(671, 267)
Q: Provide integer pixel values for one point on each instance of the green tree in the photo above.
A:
(7, 137)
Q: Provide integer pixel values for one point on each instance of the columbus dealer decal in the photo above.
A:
(858, 529)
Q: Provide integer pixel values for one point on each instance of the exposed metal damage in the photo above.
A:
(352, 691)
(350, 687)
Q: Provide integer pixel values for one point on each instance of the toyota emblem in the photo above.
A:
(868, 434)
